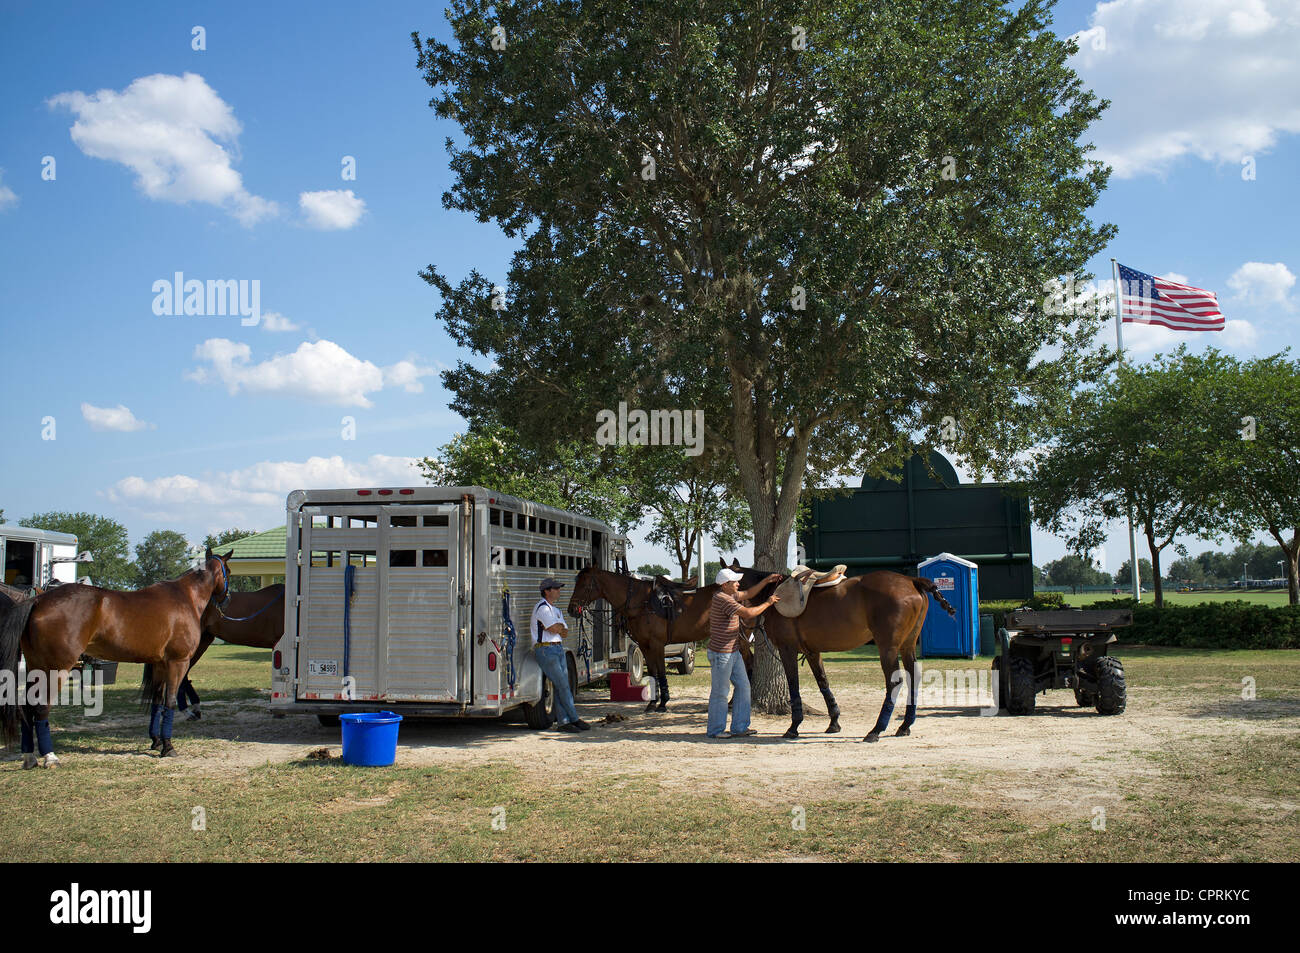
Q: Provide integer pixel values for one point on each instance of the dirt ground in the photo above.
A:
(1061, 758)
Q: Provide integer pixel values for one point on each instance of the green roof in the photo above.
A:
(268, 545)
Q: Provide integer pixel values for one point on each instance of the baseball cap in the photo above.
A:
(727, 575)
(550, 583)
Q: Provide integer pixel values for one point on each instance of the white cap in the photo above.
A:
(727, 575)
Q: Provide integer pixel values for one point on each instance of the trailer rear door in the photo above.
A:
(402, 638)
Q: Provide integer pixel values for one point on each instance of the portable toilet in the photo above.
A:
(942, 635)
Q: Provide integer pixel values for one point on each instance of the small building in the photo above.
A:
(260, 556)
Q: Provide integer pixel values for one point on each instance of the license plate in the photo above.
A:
(326, 667)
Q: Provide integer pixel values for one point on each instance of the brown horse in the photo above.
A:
(630, 597)
(249, 618)
(887, 608)
(159, 624)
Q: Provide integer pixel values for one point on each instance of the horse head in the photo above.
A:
(586, 590)
(220, 574)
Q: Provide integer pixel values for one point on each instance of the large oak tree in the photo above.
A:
(828, 224)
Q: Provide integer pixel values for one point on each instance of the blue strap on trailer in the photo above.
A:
(349, 585)
(508, 627)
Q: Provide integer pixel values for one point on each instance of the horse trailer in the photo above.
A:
(38, 557)
(395, 600)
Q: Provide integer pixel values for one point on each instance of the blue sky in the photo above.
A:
(227, 163)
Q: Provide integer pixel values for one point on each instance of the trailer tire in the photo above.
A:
(1020, 693)
(687, 665)
(538, 716)
(1112, 693)
(635, 664)
(328, 721)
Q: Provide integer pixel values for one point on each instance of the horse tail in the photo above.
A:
(12, 626)
(924, 586)
(148, 690)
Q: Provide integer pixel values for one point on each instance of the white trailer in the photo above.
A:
(423, 632)
(37, 557)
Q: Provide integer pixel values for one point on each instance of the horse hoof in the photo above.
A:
(663, 707)
(649, 708)
(157, 743)
(792, 733)
(902, 732)
(872, 738)
(167, 749)
(834, 728)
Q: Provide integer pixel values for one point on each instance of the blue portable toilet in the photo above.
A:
(942, 635)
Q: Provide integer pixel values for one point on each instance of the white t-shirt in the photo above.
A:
(545, 615)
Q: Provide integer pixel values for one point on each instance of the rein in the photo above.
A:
(247, 617)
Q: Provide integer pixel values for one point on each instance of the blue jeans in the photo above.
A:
(554, 665)
(728, 668)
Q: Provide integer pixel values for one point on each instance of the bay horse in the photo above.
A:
(249, 618)
(630, 597)
(158, 625)
(884, 607)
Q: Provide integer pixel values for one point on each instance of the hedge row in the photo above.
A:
(1210, 625)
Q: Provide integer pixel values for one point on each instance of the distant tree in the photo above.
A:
(1124, 576)
(1150, 440)
(687, 500)
(215, 540)
(1260, 464)
(1074, 571)
(163, 554)
(2, 516)
(104, 538)
(711, 568)
(654, 569)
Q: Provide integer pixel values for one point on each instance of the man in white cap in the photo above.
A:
(549, 630)
(725, 613)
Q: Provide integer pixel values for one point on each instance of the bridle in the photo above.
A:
(225, 596)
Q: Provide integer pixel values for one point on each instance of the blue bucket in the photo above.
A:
(370, 738)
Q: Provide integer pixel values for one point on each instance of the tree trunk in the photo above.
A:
(1292, 551)
(769, 692)
(1155, 573)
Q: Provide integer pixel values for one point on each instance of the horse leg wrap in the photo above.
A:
(796, 710)
(155, 720)
(44, 743)
(886, 712)
(168, 714)
(663, 692)
(909, 716)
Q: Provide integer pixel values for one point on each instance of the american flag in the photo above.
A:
(1150, 300)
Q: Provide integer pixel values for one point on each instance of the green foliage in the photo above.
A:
(162, 555)
(840, 246)
(215, 540)
(998, 608)
(105, 539)
(1071, 570)
(1210, 625)
(654, 569)
(1124, 577)
(688, 500)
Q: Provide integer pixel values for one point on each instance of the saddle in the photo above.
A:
(793, 593)
(665, 599)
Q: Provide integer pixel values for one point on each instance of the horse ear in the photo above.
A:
(226, 558)
(207, 554)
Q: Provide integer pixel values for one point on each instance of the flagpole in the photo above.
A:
(1134, 575)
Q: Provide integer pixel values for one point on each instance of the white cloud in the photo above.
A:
(1257, 282)
(8, 198)
(1143, 339)
(318, 370)
(1214, 79)
(175, 133)
(113, 418)
(275, 321)
(333, 209)
(262, 486)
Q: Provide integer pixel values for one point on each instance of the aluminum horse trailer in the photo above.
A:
(422, 631)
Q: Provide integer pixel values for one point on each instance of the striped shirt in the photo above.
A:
(724, 623)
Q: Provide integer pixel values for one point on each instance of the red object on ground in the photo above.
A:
(622, 690)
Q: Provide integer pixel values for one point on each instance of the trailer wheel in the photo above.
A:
(687, 665)
(635, 663)
(538, 716)
(328, 721)
(1020, 693)
(1112, 694)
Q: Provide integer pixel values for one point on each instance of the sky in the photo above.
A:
(290, 147)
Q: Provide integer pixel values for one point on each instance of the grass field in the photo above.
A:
(1267, 597)
(1218, 782)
